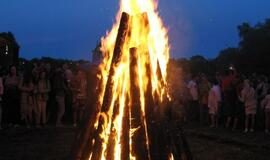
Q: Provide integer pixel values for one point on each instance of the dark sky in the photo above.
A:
(71, 28)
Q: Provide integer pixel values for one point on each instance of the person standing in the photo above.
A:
(265, 105)
(261, 92)
(204, 87)
(249, 99)
(1, 94)
(79, 89)
(214, 100)
(230, 96)
(26, 87)
(59, 87)
(12, 97)
(43, 89)
(194, 101)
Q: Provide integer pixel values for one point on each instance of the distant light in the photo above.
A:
(6, 49)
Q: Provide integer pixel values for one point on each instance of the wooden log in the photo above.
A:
(125, 148)
(139, 146)
(113, 134)
(118, 51)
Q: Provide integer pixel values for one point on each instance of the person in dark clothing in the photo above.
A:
(59, 88)
(12, 97)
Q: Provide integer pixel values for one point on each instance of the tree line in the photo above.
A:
(251, 56)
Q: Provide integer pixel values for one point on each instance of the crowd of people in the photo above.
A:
(40, 94)
(230, 99)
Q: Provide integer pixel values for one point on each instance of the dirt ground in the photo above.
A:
(52, 143)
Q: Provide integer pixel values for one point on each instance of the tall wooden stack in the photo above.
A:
(159, 143)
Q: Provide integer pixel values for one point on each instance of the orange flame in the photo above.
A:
(151, 40)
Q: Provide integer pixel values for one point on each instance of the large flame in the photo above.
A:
(151, 40)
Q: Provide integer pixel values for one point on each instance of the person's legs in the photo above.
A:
(190, 111)
(43, 112)
(0, 115)
(252, 122)
(61, 109)
(81, 109)
(75, 113)
(197, 111)
(216, 121)
(228, 122)
(22, 111)
(267, 120)
(212, 120)
(80, 114)
(38, 114)
(246, 123)
(30, 113)
(235, 123)
(201, 114)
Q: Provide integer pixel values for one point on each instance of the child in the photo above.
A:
(266, 105)
(213, 102)
(1, 94)
(250, 102)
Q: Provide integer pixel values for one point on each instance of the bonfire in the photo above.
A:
(129, 121)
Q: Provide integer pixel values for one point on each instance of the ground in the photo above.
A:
(52, 143)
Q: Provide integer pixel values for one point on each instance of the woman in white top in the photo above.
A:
(249, 99)
(266, 106)
(214, 99)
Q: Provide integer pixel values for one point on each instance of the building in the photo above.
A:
(9, 49)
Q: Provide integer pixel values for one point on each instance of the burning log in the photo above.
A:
(139, 139)
(125, 150)
(112, 137)
(107, 100)
(118, 51)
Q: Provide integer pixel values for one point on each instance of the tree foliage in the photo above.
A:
(252, 54)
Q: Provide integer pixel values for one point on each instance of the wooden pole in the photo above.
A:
(139, 147)
(125, 149)
(118, 51)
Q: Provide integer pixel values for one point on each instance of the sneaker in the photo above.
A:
(246, 130)
(251, 130)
